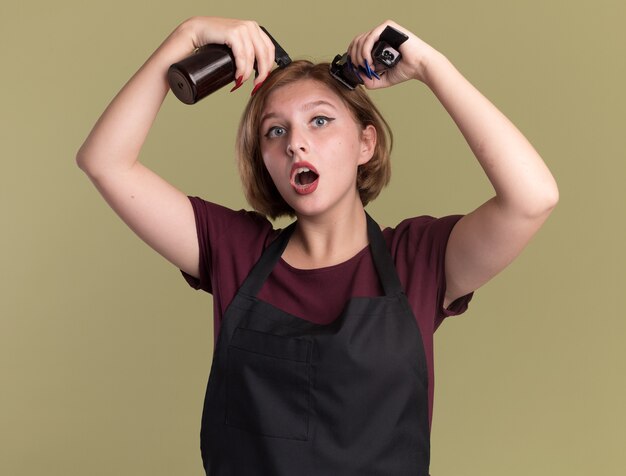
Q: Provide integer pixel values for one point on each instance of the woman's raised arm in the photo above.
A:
(486, 240)
(157, 212)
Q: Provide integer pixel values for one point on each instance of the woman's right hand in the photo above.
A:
(247, 41)
(159, 213)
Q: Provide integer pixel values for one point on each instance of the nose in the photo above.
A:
(297, 143)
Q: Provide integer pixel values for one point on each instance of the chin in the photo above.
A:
(317, 204)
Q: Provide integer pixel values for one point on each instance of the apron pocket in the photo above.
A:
(268, 385)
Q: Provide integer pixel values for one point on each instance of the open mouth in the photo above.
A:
(304, 178)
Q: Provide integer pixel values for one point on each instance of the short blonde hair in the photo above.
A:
(259, 188)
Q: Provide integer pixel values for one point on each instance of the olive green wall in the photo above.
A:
(105, 351)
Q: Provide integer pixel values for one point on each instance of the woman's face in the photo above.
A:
(312, 147)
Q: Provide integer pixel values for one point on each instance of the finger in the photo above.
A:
(367, 45)
(361, 61)
(354, 50)
(243, 51)
(265, 55)
(368, 40)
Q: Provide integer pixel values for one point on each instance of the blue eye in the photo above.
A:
(275, 131)
(321, 121)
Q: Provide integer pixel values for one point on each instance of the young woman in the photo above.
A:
(323, 356)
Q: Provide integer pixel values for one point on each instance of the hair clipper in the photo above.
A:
(385, 53)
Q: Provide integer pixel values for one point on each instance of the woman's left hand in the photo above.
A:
(415, 54)
(486, 240)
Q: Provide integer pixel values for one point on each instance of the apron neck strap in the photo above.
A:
(262, 269)
(382, 260)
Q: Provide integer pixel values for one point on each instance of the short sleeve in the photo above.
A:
(219, 229)
(419, 249)
(440, 230)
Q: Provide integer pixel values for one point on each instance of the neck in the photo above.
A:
(320, 241)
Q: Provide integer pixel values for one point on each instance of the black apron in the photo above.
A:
(288, 397)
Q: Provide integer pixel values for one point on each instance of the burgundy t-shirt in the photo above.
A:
(231, 242)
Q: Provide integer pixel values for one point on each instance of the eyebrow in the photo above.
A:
(306, 107)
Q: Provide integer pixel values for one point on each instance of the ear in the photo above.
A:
(368, 144)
